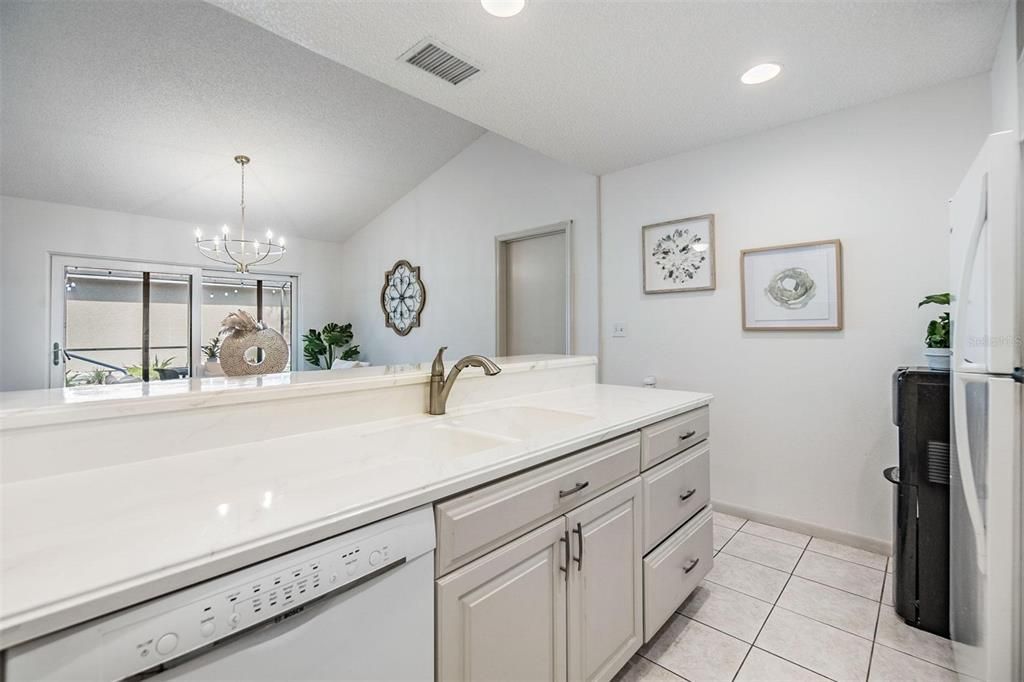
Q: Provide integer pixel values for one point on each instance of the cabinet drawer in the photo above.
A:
(470, 525)
(666, 438)
(674, 491)
(674, 569)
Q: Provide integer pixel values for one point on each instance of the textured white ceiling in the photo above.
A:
(606, 85)
(141, 106)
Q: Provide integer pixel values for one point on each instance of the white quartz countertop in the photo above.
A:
(40, 407)
(82, 544)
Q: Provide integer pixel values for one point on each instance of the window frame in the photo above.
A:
(57, 303)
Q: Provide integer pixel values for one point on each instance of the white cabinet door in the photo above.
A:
(502, 617)
(605, 609)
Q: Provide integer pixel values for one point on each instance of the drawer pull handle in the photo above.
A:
(578, 531)
(687, 495)
(693, 565)
(575, 489)
(688, 434)
(568, 561)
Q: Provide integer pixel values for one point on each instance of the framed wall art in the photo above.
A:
(795, 287)
(679, 255)
(402, 297)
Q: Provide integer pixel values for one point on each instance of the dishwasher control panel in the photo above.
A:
(143, 637)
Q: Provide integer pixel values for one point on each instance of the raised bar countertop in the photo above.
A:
(20, 409)
(85, 543)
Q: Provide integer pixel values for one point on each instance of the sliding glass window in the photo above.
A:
(265, 298)
(119, 322)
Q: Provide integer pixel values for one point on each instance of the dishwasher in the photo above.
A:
(359, 606)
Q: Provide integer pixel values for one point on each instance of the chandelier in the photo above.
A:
(241, 253)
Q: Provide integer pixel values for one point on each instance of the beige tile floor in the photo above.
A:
(781, 606)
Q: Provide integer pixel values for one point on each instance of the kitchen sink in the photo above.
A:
(441, 439)
(516, 422)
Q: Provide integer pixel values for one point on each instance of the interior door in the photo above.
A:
(502, 617)
(534, 292)
(605, 606)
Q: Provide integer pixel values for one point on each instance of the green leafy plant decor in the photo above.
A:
(937, 335)
(318, 347)
(212, 349)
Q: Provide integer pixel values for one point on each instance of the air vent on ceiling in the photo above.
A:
(438, 61)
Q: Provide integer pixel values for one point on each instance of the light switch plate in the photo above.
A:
(619, 329)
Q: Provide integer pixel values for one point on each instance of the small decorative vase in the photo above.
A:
(938, 358)
(212, 368)
(240, 333)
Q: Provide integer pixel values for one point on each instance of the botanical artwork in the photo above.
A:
(679, 255)
(793, 287)
(402, 297)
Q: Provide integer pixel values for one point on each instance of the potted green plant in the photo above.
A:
(211, 353)
(318, 347)
(936, 339)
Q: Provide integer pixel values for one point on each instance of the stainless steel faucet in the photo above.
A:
(441, 387)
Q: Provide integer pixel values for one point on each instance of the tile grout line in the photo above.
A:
(874, 638)
(770, 612)
(855, 563)
(658, 665)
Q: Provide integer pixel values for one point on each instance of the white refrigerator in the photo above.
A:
(986, 523)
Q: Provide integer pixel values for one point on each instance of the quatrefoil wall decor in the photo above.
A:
(402, 297)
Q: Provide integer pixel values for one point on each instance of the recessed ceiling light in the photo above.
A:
(761, 73)
(503, 8)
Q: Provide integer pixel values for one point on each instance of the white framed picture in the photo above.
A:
(795, 287)
(679, 255)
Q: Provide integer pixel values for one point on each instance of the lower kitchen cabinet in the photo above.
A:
(502, 617)
(616, 547)
(565, 600)
(605, 605)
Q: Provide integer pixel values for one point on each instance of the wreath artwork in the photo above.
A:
(792, 288)
(402, 297)
(676, 256)
(240, 333)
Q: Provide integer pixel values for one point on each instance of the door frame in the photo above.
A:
(58, 321)
(501, 243)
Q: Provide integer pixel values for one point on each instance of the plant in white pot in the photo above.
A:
(211, 352)
(936, 339)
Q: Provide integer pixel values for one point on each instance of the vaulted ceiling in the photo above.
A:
(606, 85)
(141, 106)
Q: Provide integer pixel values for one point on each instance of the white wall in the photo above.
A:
(447, 225)
(1003, 77)
(31, 230)
(801, 420)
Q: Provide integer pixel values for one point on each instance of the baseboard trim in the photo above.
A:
(860, 541)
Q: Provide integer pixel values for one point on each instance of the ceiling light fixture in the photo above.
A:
(503, 8)
(762, 73)
(240, 253)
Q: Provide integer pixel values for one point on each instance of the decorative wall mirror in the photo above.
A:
(402, 297)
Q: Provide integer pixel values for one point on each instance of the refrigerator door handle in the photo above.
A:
(964, 290)
(963, 457)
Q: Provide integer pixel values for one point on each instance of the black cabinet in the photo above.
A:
(920, 406)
